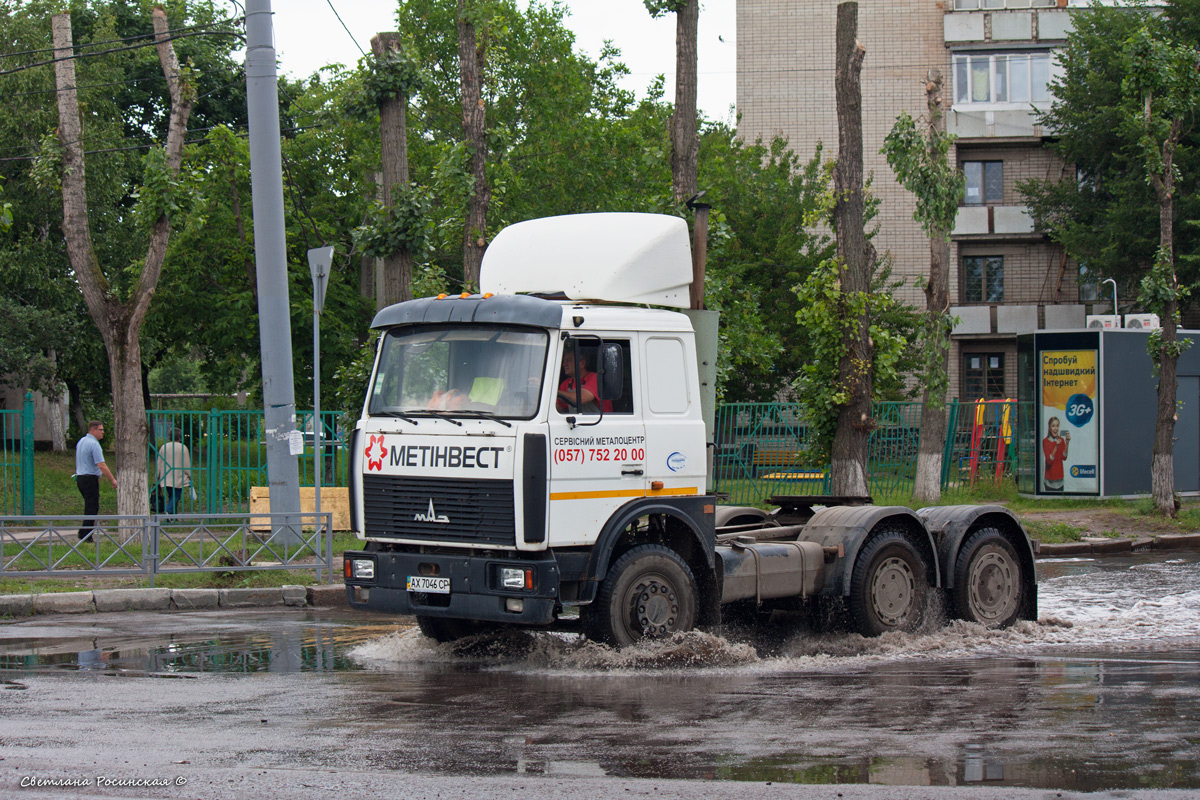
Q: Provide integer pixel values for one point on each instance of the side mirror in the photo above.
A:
(612, 372)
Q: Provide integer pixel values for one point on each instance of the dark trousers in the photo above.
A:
(89, 487)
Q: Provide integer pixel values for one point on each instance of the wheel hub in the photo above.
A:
(993, 586)
(655, 606)
(893, 591)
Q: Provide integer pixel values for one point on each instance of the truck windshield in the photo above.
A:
(492, 369)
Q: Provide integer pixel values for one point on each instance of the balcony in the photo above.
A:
(1007, 221)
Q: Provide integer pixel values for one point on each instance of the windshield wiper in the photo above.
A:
(442, 414)
(476, 413)
(396, 414)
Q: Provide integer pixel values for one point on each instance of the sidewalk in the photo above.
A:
(1097, 545)
(106, 600)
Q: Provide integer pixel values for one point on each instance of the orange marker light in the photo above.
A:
(464, 295)
(441, 296)
(656, 485)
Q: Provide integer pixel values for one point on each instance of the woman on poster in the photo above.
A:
(1054, 448)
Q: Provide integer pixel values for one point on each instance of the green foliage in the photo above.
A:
(827, 316)
(395, 75)
(659, 8)
(1109, 218)
(921, 164)
(404, 226)
(6, 217)
(351, 380)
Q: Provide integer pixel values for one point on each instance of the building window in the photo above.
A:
(983, 376)
(1012, 78)
(1089, 288)
(985, 182)
(983, 279)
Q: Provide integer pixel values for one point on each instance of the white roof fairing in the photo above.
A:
(615, 257)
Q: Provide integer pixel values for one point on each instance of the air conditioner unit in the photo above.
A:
(1145, 321)
(1104, 320)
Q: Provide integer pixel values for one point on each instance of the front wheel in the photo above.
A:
(888, 590)
(987, 580)
(648, 592)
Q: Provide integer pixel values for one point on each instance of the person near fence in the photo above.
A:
(174, 469)
(1054, 448)
(89, 466)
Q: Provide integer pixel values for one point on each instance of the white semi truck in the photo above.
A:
(536, 455)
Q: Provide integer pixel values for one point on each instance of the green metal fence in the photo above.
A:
(227, 455)
(766, 448)
(16, 459)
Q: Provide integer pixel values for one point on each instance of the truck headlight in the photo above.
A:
(363, 569)
(516, 578)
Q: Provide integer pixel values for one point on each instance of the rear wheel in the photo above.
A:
(987, 580)
(443, 630)
(648, 592)
(888, 590)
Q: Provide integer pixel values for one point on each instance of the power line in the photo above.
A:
(231, 20)
(119, 49)
(239, 133)
(347, 30)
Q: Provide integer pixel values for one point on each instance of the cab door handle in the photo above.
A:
(632, 472)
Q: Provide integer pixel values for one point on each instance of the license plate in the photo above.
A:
(419, 583)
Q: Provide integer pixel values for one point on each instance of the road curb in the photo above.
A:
(161, 599)
(1098, 546)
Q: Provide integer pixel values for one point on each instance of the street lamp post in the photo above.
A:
(1114, 283)
(320, 260)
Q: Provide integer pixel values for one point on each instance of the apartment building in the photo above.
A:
(997, 59)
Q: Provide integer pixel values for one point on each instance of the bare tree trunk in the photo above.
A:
(470, 62)
(393, 137)
(685, 144)
(928, 485)
(856, 261)
(1162, 465)
(58, 416)
(120, 323)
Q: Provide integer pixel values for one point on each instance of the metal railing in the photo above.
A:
(766, 448)
(149, 545)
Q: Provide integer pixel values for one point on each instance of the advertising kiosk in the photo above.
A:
(1088, 400)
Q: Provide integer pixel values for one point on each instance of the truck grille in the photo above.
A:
(476, 511)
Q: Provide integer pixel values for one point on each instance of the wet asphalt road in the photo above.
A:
(1102, 695)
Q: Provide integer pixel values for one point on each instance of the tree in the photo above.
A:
(473, 37)
(1123, 113)
(685, 144)
(120, 318)
(922, 164)
(855, 265)
(1161, 89)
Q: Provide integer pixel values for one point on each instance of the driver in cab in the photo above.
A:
(579, 393)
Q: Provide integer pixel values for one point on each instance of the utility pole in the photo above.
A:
(270, 255)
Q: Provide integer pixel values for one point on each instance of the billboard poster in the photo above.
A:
(1069, 431)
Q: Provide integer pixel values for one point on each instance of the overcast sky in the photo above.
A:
(309, 36)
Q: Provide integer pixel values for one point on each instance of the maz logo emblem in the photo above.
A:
(432, 516)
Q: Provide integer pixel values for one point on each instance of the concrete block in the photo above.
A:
(295, 595)
(1054, 25)
(1016, 319)
(1066, 317)
(1015, 25)
(64, 603)
(963, 27)
(250, 598)
(1063, 549)
(1105, 546)
(333, 594)
(132, 599)
(191, 599)
(16, 605)
(1177, 541)
(972, 319)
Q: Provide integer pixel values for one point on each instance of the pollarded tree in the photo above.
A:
(685, 144)
(921, 162)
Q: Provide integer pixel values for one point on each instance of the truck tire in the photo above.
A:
(888, 590)
(445, 630)
(987, 580)
(648, 592)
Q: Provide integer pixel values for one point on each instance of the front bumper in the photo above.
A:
(475, 590)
